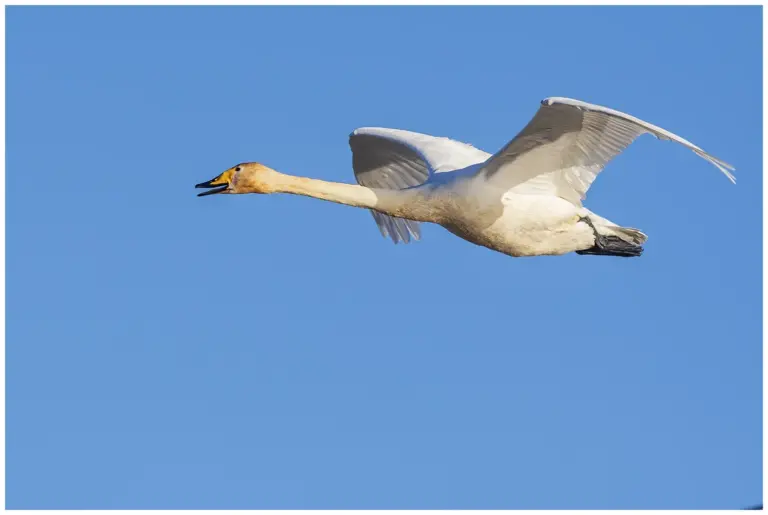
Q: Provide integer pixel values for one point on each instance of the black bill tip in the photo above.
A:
(207, 184)
(211, 192)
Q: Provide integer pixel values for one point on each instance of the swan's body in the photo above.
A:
(525, 200)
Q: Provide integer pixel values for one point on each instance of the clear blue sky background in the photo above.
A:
(167, 351)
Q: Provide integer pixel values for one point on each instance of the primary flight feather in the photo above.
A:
(524, 200)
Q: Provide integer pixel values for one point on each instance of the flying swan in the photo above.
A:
(524, 200)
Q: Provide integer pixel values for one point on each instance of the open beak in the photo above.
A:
(219, 184)
(211, 184)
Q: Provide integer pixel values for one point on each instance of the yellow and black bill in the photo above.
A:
(219, 184)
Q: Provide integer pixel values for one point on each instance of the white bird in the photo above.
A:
(524, 200)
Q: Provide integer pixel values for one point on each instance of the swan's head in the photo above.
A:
(243, 178)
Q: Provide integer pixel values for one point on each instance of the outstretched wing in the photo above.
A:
(569, 142)
(396, 159)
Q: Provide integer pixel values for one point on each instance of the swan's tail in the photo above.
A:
(614, 240)
(627, 234)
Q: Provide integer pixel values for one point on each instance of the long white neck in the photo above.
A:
(401, 203)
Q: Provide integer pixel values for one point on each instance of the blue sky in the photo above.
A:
(168, 351)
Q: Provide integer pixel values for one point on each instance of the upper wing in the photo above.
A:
(567, 143)
(397, 159)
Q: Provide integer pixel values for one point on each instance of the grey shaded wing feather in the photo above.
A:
(568, 143)
(397, 159)
(383, 163)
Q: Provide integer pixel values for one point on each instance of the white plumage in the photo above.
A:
(558, 154)
(524, 200)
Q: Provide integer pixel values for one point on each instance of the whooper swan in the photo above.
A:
(525, 200)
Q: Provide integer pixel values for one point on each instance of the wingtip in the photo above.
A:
(727, 169)
(724, 167)
(727, 173)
